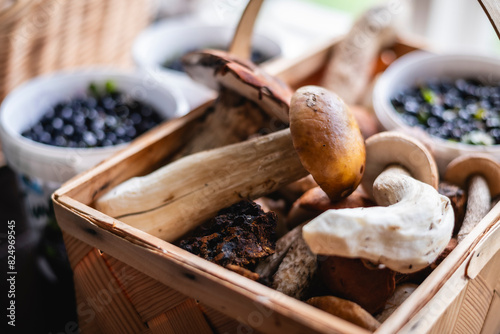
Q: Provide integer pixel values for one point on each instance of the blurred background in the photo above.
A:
(44, 292)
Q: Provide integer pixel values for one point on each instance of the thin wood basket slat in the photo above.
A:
(159, 288)
(41, 36)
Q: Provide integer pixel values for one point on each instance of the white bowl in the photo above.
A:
(418, 66)
(168, 40)
(25, 105)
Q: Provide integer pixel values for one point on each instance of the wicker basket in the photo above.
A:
(128, 281)
(40, 36)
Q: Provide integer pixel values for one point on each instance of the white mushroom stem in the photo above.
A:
(405, 236)
(478, 205)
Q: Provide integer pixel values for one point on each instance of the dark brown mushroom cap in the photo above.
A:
(463, 167)
(394, 148)
(215, 68)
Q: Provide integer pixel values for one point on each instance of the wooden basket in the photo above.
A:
(128, 281)
(41, 36)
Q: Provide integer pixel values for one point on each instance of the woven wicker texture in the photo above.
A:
(40, 36)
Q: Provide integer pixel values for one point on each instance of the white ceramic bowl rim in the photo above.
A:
(151, 47)
(414, 61)
(39, 160)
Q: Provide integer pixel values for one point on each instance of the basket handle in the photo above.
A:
(242, 40)
(492, 10)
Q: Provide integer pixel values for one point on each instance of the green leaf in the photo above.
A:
(480, 113)
(422, 117)
(110, 86)
(93, 89)
(428, 95)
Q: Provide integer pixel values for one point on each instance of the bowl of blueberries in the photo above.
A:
(159, 48)
(451, 101)
(58, 125)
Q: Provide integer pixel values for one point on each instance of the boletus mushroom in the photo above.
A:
(368, 286)
(328, 141)
(480, 175)
(412, 224)
(161, 202)
(315, 201)
(249, 101)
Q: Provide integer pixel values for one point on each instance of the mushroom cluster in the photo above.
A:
(360, 216)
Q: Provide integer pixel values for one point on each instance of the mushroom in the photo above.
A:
(161, 203)
(412, 226)
(268, 267)
(249, 100)
(328, 141)
(350, 67)
(346, 310)
(368, 286)
(480, 175)
(401, 293)
(296, 270)
(458, 200)
(315, 201)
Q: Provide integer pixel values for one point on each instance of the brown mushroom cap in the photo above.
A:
(327, 139)
(463, 167)
(213, 68)
(352, 280)
(389, 148)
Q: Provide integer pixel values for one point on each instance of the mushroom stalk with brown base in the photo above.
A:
(414, 222)
(480, 175)
(161, 203)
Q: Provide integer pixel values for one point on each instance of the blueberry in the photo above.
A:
(92, 114)
(89, 138)
(57, 123)
(100, 135)
(97, 120)
(493, 122)
(146, 111)
(120, 131)
(98, 124)
(79, 119)
(456, 133)
(45, 138)
(60, 141)
(111, 136)
(131, 132)
(449, 115)
(38, 129)
(91, 102)
(495, 133)
(111, 121)
(464, 114)
(66, 113)
(108, 103)
(107, 142)
(122, 111)
(433, 122)
(437, 111)
(68, 130)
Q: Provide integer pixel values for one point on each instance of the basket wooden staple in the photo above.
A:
(128, 281)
